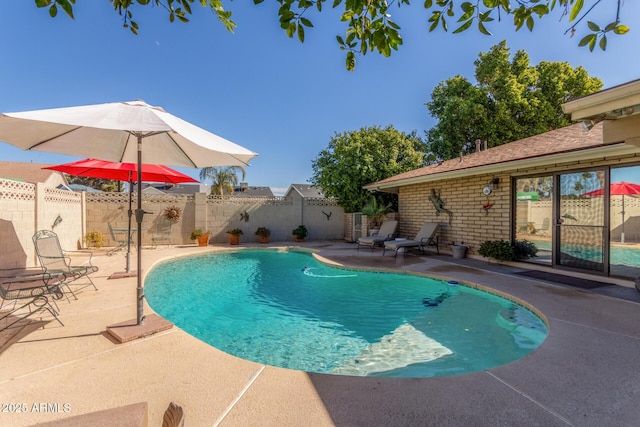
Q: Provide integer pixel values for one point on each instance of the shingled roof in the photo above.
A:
(28, 172)
(306, 190)
(252, 191)
(547, 147)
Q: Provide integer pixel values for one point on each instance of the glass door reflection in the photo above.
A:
(624, 222)
(581, 232)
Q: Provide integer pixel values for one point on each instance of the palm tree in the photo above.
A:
(222, 178)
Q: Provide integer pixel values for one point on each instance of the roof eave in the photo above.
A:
(572, 156)
(613, 103)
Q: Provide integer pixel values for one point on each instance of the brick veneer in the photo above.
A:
(470, 223)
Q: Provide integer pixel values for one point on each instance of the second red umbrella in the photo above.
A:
(128, 172)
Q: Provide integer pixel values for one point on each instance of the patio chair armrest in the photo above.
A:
(429, 240)
(64, 257)
(20, 274)
(84, 253)
(31, 285)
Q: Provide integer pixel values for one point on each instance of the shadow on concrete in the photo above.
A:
(576, 282)
(442, 401)
(13, 257)
(18, 331)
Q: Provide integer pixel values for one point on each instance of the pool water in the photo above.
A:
(619, 255)
(284, 308)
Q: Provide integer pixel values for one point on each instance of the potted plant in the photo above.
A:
(300, 233)
(234, 236)
(201, 236)
(263, 234)
(375, 212)
(95, 239)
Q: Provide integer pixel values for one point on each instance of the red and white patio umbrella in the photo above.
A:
(119, 132)
(621, 188)
(128, 172)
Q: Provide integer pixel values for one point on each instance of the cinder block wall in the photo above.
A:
(323, 217)
(26, 208)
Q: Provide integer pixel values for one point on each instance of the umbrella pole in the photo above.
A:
(128, 267)
(622, 233)
(139, 217)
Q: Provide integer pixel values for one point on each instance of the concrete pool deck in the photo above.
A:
(584, 374)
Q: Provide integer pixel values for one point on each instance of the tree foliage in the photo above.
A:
(356, 158)
(511, 100)
(106, 185)
(368, 22)
(223, 179)
(376, 211)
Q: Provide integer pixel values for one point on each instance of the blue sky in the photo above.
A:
(257, 88)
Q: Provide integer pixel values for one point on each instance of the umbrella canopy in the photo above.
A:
(621, 188)
(95, 168)
(116, 132)
(111, 132)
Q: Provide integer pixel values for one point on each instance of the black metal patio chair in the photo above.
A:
(162, 233)
(26, 293)
(55, 261)
(121, 237)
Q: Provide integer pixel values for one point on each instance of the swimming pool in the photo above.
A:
(626, 255)
(284, 308)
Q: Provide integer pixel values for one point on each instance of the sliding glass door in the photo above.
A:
(581, 229)
(624, 208)
(534, 214)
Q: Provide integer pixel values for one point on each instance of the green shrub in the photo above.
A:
(524, 249)
(95, 238)
(505, 251)
(498, 249)
(375, 211)
(197, 233)
(300, 232)
(263, 232)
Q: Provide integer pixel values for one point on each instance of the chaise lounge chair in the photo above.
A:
(55, 260)
(386, 232)
(425, 237)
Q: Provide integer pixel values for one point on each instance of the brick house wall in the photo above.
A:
(463, 196)
(470, 223)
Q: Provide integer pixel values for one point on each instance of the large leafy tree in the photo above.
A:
(511, 100)
(356, 158)
(223, 179)
(369, 24)
(106, 185)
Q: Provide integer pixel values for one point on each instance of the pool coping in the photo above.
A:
(583, 374)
